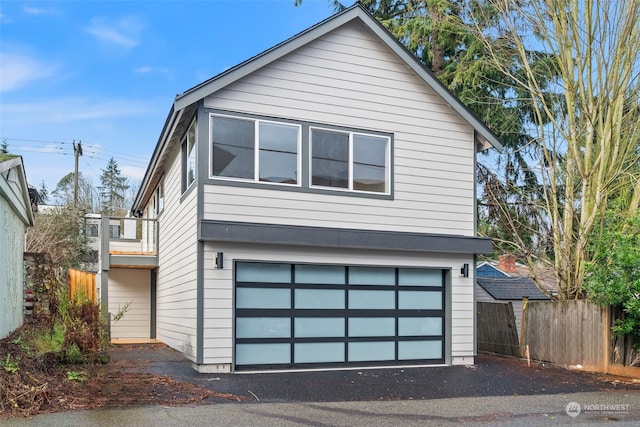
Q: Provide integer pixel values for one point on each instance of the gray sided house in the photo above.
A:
(509, 289)
(316, 209)
(16, 216)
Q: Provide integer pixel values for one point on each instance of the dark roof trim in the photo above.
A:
(356, 11)
(153, 162)
(246, 232)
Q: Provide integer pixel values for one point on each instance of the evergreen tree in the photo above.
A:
(4, 147)
(113, 190)
(457, 40)
(43, 192)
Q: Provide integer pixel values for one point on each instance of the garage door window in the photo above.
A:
(307, 315)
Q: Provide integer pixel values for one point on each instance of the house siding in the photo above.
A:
(219, 292)
(15, 217)
(130, 288)
(176, 298)
(12, 230)
(348, 78)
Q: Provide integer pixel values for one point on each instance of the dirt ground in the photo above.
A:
(40, 385)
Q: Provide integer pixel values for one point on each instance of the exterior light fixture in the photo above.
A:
(219, 260)
(464, 271)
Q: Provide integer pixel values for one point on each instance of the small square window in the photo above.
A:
(114, 231)
(92, 230)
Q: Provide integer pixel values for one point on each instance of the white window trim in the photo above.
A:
(256, 151)
(351, 134)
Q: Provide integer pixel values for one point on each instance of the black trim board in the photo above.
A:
(246, 232)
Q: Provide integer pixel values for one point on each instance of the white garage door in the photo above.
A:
(305, 315)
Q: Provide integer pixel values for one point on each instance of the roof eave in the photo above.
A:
(16, 162)
(155, 157)
(485, 138)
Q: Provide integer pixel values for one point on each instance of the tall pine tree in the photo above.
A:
(113, 190)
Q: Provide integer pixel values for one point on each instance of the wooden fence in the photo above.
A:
(568, 332)
(497, 331)
(622, 351)
(82, 284)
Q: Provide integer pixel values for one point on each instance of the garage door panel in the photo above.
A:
(263, 272)
(372, 326)
(372, 276)
(312, 327)
(319, 274)
(419, 326)
(328, 315)
(371, 351)
(263, 298)
(420, 300)
(324, 352)
(319, 298)
(263, 327)
(263, 354)
(372, 300)
(419, 277)
(419, 350)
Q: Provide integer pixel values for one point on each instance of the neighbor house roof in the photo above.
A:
(356, 12)
(12, 168)
(511, 288)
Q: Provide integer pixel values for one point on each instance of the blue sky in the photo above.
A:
(106, 72)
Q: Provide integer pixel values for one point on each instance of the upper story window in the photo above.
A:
(311, 157)
(350, 161)
(189, 157)
(255, 150)
(158, 198)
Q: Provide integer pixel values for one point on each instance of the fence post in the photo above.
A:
(606, 340)
(525, 302)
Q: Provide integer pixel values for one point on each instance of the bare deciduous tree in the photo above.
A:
(586, 130)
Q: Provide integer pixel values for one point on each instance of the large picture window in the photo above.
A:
(350, 161)
(255, 150)
(298, 154)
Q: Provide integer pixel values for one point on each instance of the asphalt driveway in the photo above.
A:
(490, 376)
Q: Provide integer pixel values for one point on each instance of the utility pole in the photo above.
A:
(77, 152)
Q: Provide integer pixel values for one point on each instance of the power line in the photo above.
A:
(96, 150)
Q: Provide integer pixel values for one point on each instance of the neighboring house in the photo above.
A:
(494, 284)
(316, 209)
(16, 215)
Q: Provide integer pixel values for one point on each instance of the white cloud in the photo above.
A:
(123, 32)
(37, 11)
(146, 69)
(143, 70)
(132, 172)
(67, 110)
(19, 70)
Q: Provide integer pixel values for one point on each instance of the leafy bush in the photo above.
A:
(613, 274)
